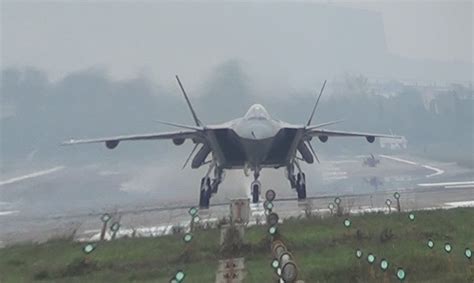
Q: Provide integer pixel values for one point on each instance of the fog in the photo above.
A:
(75, 70)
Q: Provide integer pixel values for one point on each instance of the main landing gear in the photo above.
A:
(209, 187)
(297, 181)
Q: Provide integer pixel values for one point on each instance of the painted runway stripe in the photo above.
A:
(437, 171)
(399, 159)
(468, 183)
(31, 176)
(3, 213)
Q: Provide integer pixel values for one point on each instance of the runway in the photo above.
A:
(39, 205)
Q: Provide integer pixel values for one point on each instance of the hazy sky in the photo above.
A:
(124, 37)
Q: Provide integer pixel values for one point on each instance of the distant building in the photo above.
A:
(393, 144)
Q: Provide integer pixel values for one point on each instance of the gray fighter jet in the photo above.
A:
(252, 142)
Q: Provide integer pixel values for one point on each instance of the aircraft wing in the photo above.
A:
(112, 142)
(331, 133)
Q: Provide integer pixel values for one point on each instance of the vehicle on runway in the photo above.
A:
(252, 142)
(371, 161)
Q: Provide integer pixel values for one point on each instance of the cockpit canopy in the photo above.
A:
(257, 112)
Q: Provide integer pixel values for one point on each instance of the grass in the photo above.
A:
(323, 249)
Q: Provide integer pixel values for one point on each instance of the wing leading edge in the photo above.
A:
(112, 142)
(324, 134)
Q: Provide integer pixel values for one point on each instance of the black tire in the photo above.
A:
(205, 193)
(255, 194)
(301, 190)
(202, 199)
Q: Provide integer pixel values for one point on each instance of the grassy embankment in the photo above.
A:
(323, 248)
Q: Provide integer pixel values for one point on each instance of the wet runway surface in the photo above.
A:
(56, 201)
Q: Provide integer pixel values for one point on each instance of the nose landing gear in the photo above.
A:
(255, 190)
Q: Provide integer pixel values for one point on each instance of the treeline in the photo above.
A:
(37, 114)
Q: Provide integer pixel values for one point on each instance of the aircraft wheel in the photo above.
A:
(255, 191)
(205, 193)
(301, 190)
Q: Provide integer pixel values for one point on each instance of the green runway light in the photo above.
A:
(448, 248)
(173, 280)
(268, 205)
(430, 244)
(115, 227)
(396, 195)
(358, 253)
(337, 200)
(388, 202)
(196, 219)
(401, 275)
(331, 206)
(87, 249)
(272, 230)
(347, 223)
(275, 263)
(411, 216)
(370, 258)
(384, 264)
(468, 253)
(105, 217)
(180, 276)
(188, 237)
(193, 211)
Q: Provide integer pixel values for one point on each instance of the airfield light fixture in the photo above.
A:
(187, 237)
(448, 248)
(359, 254)
(115, 227)
(180, 276)
(370, 258)
(193, 211)
(272, 230)
(331, 206)
(173, 280)
(388, 202)
(384, 264)
(289, 272)
(270, 195)
(396, 195)
(347, 223)
(268, 205)
(272, 219)
(278, 271)
(275, 263)
(87, 249)
(105, 217)
(430, 244)
(196, 219)
(401, 275)
(468, 253)
(411, 216)
(337, 200)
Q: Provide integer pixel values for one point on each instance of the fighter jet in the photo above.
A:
(252, 142)
(371, 161)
